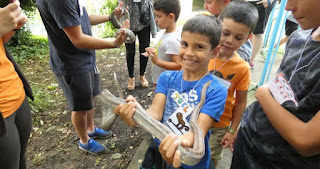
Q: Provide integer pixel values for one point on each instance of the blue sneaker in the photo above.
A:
(99, 133)
(92, 147)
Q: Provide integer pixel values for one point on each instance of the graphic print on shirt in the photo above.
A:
(281, 90)
(177, 121)
(221, 79)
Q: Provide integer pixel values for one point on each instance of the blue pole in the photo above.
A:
(270, 20)
(278, 41)
(273, 38)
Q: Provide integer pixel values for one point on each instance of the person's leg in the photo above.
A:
(79, 122)
(215, 143)
(130, 53)
(10, 145)
(14, 144)
(257, 42)
(258, 36)
(24, 125)
(79, 92)
(144, 42)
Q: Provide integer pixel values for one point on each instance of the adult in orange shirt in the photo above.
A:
(14, 105)
(239, 19)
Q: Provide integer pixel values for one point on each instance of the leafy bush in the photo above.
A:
(25, 45)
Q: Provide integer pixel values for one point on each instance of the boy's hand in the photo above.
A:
(233, 141)
(126, 111)
(151, 52)
(168, 150)
(169, 145)
(227, 140)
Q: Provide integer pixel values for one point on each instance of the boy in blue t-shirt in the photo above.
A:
(200, 37)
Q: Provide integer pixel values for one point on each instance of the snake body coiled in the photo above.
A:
(116, 23)
(189, 156)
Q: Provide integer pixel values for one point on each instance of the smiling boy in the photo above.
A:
(200, 37)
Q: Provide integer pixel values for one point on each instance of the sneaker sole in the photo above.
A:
(90, 151)
(107, 136)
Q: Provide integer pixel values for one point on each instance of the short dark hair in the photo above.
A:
(242, 12)
(207, 25)
(168, 6)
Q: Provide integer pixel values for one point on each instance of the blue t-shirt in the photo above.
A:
(170, 82)
(64, 56)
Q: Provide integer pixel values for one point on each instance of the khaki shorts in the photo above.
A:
(215, 142)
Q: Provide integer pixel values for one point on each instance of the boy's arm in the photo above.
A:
(126, 111)
(174, 65)
(157, 107)
(303, 137)
(240, 105)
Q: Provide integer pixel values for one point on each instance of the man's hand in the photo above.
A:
(11, 17)
(118, 10)
(126, 111)
(122, 37)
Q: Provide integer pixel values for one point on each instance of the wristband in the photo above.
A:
(231, 131)
(115, 44)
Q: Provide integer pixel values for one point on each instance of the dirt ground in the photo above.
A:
(53, 142)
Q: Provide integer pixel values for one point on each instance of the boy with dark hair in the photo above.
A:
(239, 19)
(200, 37)
(165, 56)
(281, 129)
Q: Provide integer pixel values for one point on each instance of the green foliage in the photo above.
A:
(109, 30)
(25, 45)
(198, 5)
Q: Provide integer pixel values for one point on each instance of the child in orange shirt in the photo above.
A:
(239, 19)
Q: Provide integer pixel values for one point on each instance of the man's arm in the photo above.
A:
(303, 137)
(97, 19)
(81, 40)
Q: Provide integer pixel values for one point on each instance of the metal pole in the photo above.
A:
(270, 21)
(278, 41)
(273, 38)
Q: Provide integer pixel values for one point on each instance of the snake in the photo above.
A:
(116, 23)
(189, 156)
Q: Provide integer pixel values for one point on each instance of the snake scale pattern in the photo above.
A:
(189, 156)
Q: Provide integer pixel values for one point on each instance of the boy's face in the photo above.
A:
(163, 20)
(306, 12)
(214, 6)
(233, 35)
(195, 52)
